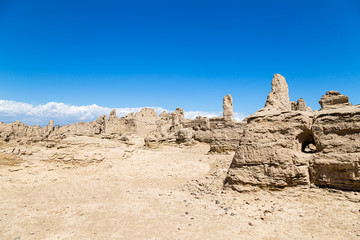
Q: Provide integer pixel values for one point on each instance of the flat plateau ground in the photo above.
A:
(166, 193)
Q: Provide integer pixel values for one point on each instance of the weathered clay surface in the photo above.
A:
(337, 136)
(145, 122)
(172, 193)
(278, 99)
(223, 134)
(298, 147)
(333, 99)
(228, 113)
(83, 180)
(113, 127)
(226, 139)
(300, 105)
(282, 145)
(269, 152)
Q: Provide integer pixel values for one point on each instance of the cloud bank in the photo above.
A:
(62, 113)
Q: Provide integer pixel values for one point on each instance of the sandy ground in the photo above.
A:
(167, 193)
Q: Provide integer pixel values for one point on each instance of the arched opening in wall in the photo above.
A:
(306, 139)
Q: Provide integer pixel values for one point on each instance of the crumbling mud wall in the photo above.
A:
(113, 127)
(285, 144)
(337, 137)
(298, 147)
(222, 133)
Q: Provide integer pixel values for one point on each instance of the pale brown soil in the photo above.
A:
(167, 193)
(9, 160)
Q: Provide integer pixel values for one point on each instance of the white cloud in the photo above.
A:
(239, 116)
(63, 113)
(193, 114)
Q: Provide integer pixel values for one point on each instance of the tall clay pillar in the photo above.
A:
(228, 113)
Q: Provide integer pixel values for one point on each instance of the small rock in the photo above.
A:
(267, 211)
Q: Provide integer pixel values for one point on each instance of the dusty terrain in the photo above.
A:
(125, 191)
(143, 176)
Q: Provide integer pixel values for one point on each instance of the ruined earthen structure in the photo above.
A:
(286, 144)
(222, 133)
(228, 113)
(278, 99)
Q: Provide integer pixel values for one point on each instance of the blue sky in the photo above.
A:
(172, 54)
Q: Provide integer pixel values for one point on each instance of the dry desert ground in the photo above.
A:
(128, 191)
